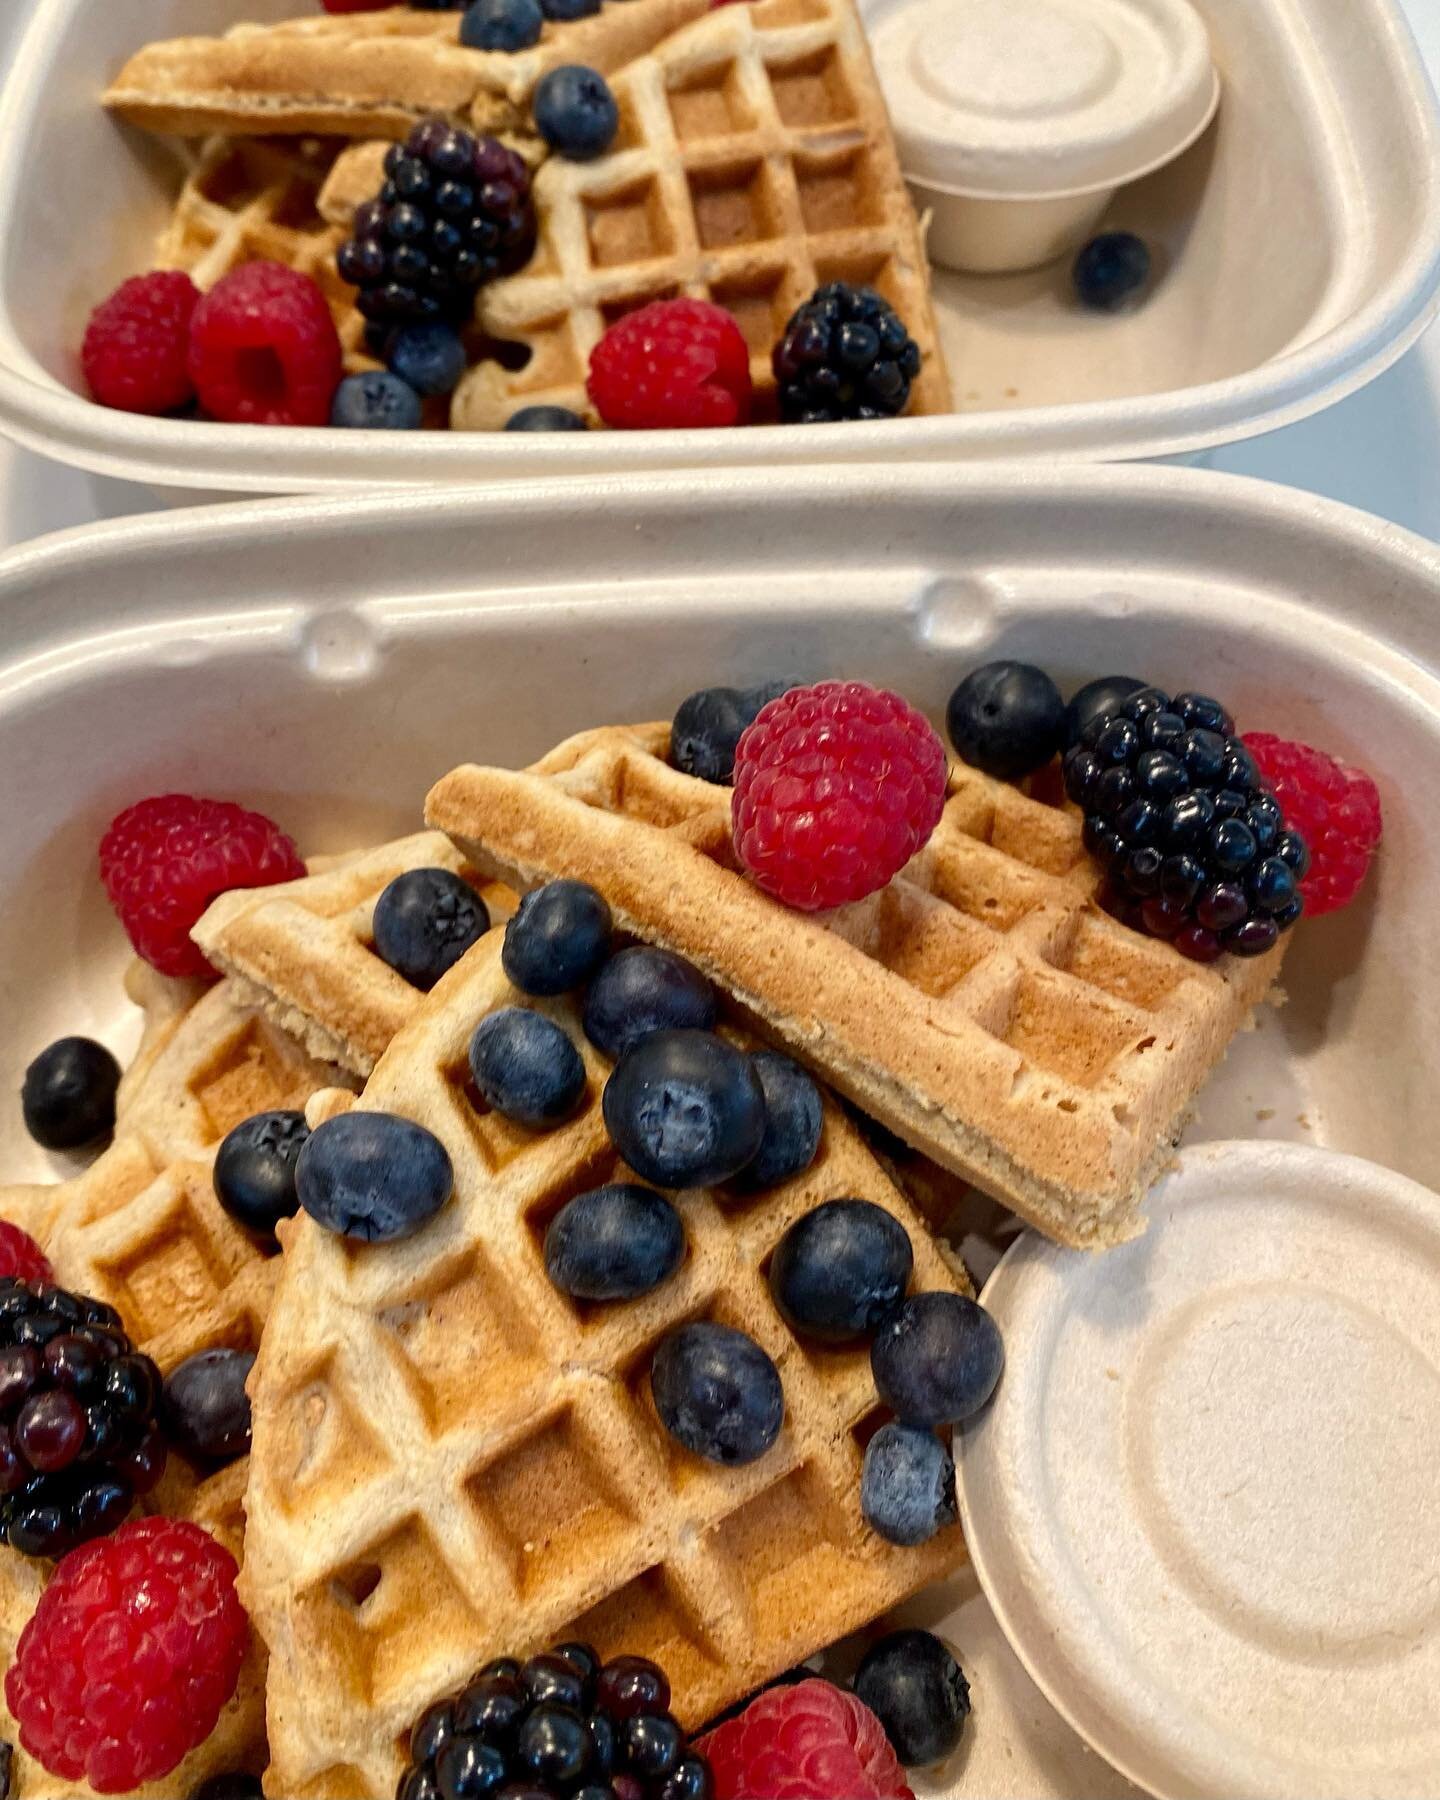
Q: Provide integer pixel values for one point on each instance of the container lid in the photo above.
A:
(1026, 99)
(1204, 1502)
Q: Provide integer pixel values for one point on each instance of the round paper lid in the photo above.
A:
(1205, 1501)
(1030, 98)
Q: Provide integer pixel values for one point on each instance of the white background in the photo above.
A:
(1380, 449)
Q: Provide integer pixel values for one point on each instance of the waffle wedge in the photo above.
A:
(369, 74)
(754, 161)
(303, 952)
(452, 1460)
(981, 1005)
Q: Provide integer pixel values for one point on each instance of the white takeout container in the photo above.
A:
(1018, 120)
(1203, 1501)
(326, 661)
(1296, 245)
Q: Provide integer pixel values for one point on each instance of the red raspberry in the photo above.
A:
(672, 363)
(164, 860)
(807, 1742)
(1335, 808)
(137, 341)
(21, 1255)
(836, 787)
(264, 349)
(135, 1647)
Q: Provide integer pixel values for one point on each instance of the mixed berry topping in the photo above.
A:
(425, 921)
(915, 1687)
(836, 788)
(575, 112)
(137, 344)
(561, 1724)
(79, 1439)
(708, 725)
(68, 1096)
(808, 1740)
(1334, 808)
(22, 1257)
(373, 1176)
(845, 354)
(164, 860)
(254, 1171)
(454, 212)
(673, 363)
(264, 349)
(205, 1407)
(1110, 270)
(134, 1648)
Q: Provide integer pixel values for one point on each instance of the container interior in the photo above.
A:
(1287, 219)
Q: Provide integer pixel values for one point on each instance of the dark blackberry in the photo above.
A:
(454, 212)
(563, 1723)
(78, 1433)
(845, 355)
(1194, 845)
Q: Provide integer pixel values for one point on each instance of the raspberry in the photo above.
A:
(836, 787)
(264, 349)
(21, 1256)
(672, 363)
(1334, 807)
(135, 1647)
(137, 341)
(164, 860)
(807, 1742)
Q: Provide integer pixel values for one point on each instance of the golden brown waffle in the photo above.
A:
(253, 199)
(452, 1460)
(754, 161)
(303, 952)
(370, 74)
(981, 1005)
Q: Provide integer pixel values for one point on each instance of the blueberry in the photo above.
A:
(553, 1747)
(254, 1173)
(685, 1109)
(841, 1269)
(428, 358)
(425, 921)
(717, 1392)
(575, 112)
(373, 1176)
(644, 990)
(793, 1119)
(614, 1243)
(68, 1096)
(205, 1406)
(545, 418)
(707, 727)
(1005, 718)
(907, 1487)
(375, 401)
(507, 25)
(936, 1359)
(914, 1686)
(557, 939)
(1110, 269)
(1096, 700)
(526, 1067)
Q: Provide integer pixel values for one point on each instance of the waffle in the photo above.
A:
(369, 74)
(452, 1460)
(303, 952)
(981, 1005)
(754, 161)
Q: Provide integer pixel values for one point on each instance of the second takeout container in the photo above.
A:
(1296, 250)
(326, 661)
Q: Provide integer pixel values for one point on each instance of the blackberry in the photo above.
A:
(454, 212)
(1194, 846)
(845, 355)
(560, 1724)
(78, 1434)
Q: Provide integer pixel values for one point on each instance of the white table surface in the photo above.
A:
(1379, 450)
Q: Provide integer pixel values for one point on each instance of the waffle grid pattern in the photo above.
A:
(304, 951)
(753, 163)
(452, 1459)
(993, 1016)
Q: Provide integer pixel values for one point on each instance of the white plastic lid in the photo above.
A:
(1204, 1503)
(1028, 99)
